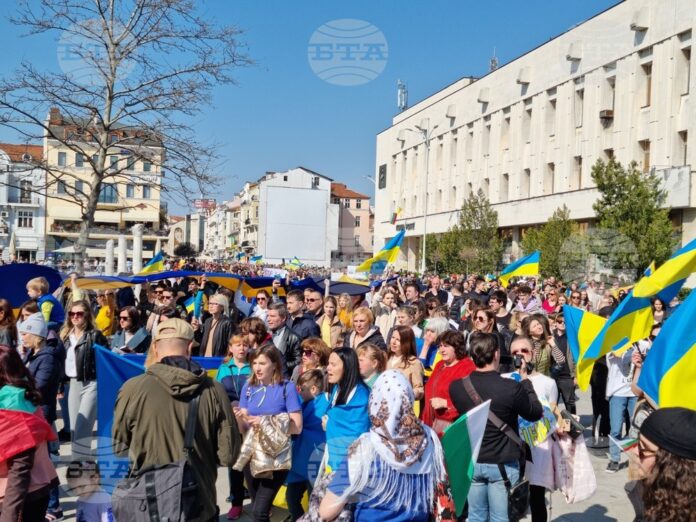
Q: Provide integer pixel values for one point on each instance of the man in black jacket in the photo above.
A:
(284, 338)
(304, 325)
(217, 329)
(509, 400)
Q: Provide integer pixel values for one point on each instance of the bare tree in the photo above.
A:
(147, 67)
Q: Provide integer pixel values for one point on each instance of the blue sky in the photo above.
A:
(281, 115)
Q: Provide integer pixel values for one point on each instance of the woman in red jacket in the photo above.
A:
(26, 472)
(439, 412)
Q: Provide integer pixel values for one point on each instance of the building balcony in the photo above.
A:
(102, 231)
(31, 201)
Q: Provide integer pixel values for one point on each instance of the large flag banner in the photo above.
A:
(155, 265)
(668, 375)
(461, 443)
(15, 276)
(526, 266)
(677, 268)
(386, 256)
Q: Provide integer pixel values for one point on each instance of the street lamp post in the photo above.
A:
(427, 133)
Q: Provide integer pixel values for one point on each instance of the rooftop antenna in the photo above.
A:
(401, 95)
(493, 63)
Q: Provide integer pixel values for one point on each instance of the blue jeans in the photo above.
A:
(488, 496)
(618, 406)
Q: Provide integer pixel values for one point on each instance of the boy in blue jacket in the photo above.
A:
(308, 446)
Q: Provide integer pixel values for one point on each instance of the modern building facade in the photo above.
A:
(355, 226)
(528, 133)
(296, 217)
(131, 197)
(22, 207)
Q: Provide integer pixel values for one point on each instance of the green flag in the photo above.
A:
(461, 443)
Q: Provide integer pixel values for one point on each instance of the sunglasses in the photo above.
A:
(307, 353)
(522, 351)
(310, 300)
(479, 318)
(261, 299)
(124, 318)
(100, 295)
(167, 297)
(574, 297)
(159, 292)
(76, 314)
(560, 321)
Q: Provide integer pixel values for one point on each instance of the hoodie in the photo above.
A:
(150, 418)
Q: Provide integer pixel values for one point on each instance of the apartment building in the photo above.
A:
(528, 133)
(355, 226)
(22, 207)
(130, 198)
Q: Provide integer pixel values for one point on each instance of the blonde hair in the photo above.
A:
(39, 284)
(349, 302)
(365, 312)
(67, 325)
(374, 353)
(236, 338)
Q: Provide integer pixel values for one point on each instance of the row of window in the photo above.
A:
(80, 161)
(346, 202)
(109, 191)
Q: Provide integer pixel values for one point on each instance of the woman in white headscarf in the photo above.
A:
(395, 470)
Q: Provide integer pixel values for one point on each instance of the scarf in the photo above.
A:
(402, 444)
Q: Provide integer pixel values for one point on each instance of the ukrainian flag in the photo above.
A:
(294, 264)
(156, 264)
(591, 336)
(190, 304)
(668, 376)
(256, 259)
(677, 268)
(388, 255)
(526, 266)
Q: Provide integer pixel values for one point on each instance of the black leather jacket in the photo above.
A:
(85, 361)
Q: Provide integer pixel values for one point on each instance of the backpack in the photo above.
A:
(167, 493)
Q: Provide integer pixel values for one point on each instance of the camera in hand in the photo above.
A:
(518, 361)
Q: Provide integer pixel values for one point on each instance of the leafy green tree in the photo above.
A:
(549, 239)
(631, 203)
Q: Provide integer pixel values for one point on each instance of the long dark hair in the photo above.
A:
(274, 356)
(351, 375)
(14, 373)
(669, 488)
(407, 340)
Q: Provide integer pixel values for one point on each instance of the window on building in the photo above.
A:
(285, 178)
(454, 144)
(79, 160)
(453, 197)
(62, 157)
(576, 175)
(147, 166)
(579, 106)
(358, 203)
(645, 149)
(684, 69)
(357, 241)
(60, 187)
(646, 70)
(526, 183)
(469, 190)
(108, 194)
(440, 152)
(608, 154)
(113, 161)
(469, 143)
(549, 178)
(79, 187)
(130, 163)
(147, 193)
(683, 137)
(95, 158)
(404, 161)
(357, 221)
(256, 211)
(382, 176)
(551, 116)
(130, 190)
(486, 187)
(438, 201)
(504, 187)
(415, 205)
(414, 162)
(609, 94)
(527, 122)
(346, 203)
(25, 191)
(486, 138)
(25, 219)
(505, 134)
(336, 201)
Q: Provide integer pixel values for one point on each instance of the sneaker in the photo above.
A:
(234, 513)
(52, 516)
(613, 467)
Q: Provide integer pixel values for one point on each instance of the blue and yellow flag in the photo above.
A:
(256, 259)
(673, 271)
(591, 336)
(190, 304)
(156, 264)
(294, 264)
(386, 256)
(526, 266)
(668, 376)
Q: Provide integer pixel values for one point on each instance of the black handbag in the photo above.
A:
(518, 494)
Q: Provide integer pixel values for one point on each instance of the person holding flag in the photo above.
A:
(388, 255)
(526, 266)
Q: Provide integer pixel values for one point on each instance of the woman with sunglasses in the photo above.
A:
(546, 353)
(564, 373)
(79, 336)
(484, 321)
(550, 304)
(667, 453)
(261, 308)
(131, 337)
(315, 356)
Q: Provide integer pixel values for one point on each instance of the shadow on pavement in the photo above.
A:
(594, 513)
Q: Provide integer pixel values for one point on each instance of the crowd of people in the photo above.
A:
(341, 400)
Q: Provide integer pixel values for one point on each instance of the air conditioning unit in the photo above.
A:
(4, 214)
(606, 114)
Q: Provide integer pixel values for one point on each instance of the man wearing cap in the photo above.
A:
(217, 329)
(151, 410)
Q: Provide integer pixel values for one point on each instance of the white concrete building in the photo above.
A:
(222, 229)
(22, 207)
(249, 218)
(528, 133)
(296, 217)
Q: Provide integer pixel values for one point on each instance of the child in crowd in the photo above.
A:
(233, 373)
(93, 503)
(49, 306)
(308, 446)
